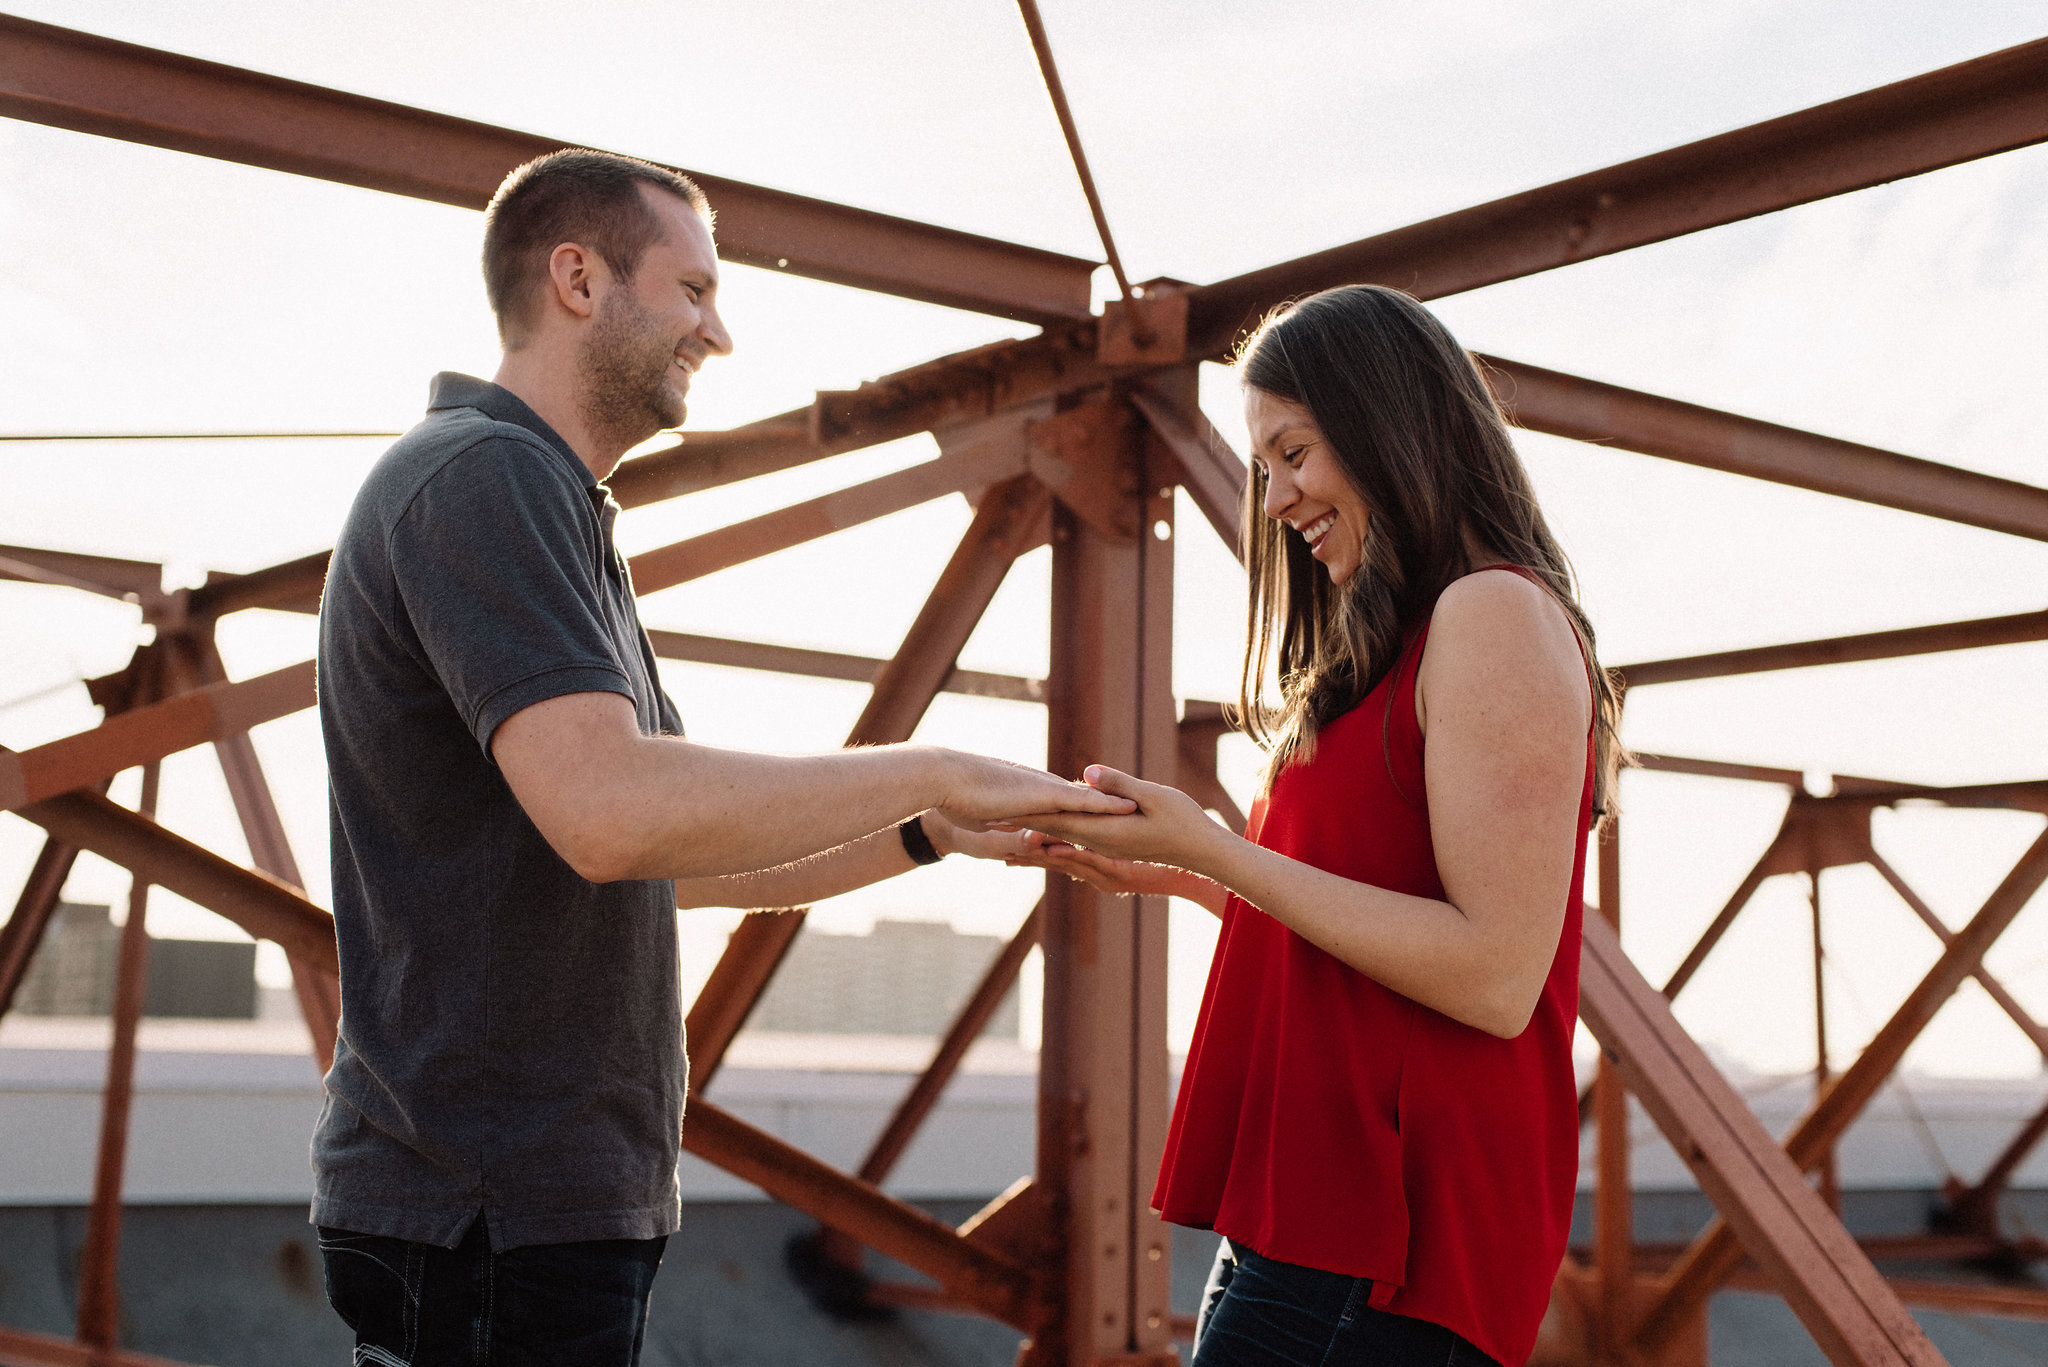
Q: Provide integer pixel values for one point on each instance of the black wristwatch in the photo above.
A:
(916, 843)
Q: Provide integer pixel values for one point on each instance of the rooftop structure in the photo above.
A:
(1077, 437)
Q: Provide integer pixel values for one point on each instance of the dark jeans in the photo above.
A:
(546, 1305)
(1260, 1313)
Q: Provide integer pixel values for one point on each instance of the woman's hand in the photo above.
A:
(1104, 873)
(1169, 827)
(1118, 877)
(949, 838)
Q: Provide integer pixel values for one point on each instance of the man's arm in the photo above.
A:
(846, 867)
(802, 882)
(616, 804)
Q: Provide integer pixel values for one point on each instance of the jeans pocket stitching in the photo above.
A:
(415, 1275)
(481, 1335)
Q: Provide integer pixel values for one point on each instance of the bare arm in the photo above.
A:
(616, 804)
(1504, 699)
(801, 882)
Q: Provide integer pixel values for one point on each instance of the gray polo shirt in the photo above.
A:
(511, 1035)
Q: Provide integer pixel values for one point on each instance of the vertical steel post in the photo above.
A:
(1830, 1178)
(99, 1294)
(1102, 1070)
(1613, 1200)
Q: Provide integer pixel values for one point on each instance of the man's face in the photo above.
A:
(650, 333)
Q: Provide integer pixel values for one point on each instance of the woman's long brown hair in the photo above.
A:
(1417, 432)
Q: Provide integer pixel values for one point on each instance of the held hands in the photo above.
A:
(1167, 827)
(1107, 851)
(991, 793)
(1099, 871)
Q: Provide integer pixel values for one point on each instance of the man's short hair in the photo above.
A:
(575, 195)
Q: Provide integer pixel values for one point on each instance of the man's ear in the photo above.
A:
(575, 276)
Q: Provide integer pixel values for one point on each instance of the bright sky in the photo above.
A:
(152, 291)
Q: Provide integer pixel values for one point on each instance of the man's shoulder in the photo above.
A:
(486, 456)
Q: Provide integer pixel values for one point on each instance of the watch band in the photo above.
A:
(916, 843)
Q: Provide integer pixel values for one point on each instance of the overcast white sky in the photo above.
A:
(154, 291)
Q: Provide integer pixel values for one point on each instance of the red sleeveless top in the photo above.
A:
(1331, 1122)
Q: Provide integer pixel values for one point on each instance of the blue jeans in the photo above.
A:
(545, 1305)
(1257, 1312)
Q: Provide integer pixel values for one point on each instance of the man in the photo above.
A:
(516, 815)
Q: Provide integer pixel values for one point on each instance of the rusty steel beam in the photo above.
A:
(1007, 524)
(829, 664)
(970, 1273)
(751, 955)
(967, 386)
(319, 995)
(1963, 1298)
(263, 907)
(1992, 104)
(1973, 109)
(1714, 768)
(2026, 795)
(1975, 1208)
(1714, 1254)
(31, 572)
(1613, 1198)
(2028, 1026)
(1202, 725)
(1873, 645)
(1800, 1245)
(698, 556)
(293, 586)
(1196, 774)
(152, 732)
(1212, 473)
(703, 460)
(1102, 1098)
(1723, 919)
(708, 460)
(99, 1277)
(20, 1348)
(975, 1014)
(23, 933)
(102, 574)
(1010, 522)
(1587, 410)
(88, 84)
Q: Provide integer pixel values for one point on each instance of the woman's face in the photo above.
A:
(1305, 486)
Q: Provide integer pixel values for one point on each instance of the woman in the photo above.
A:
(1378, 1105)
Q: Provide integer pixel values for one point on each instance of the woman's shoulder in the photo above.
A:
(1497, 597)
(1503, 617)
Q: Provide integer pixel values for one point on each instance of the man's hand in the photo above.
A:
(1031, 849)
(1167, 827)
(984, 793)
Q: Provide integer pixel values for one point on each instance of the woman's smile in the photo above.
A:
(1306, 486)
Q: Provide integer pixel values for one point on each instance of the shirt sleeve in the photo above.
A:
(497, 566)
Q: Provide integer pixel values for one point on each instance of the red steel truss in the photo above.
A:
(1079, 436)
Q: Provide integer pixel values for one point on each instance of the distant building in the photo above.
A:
(903, 978)
(73, 971)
